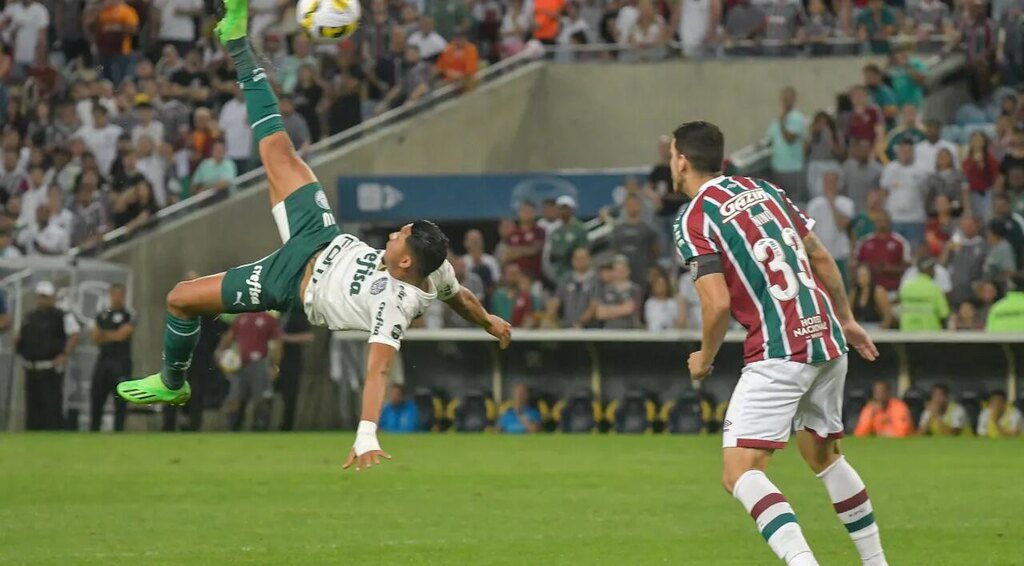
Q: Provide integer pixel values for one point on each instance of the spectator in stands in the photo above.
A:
(1002, 211)
(861, 174)
(7, 248)
(546, 17)
(89, 215)
(964, 256)
(978, 35)
(744, 21)
(823, 149)
(426, 39)
(308, 96)
(551, 217)
(881, 94)
(44, 237)
(907, 76)
(344, 108)
(574, 29)
(904, 183)
(786, 134)
(646, 35)
(1010, 52)
(34, 194)
(998, 419)
(942, 417)
(233, 123)
(666, 201)
(112, 332)
(661, 311)
(965, 318)
(414, 83)
(134, 206)
(635, 239)
(832, 213)
(939, 228)
(215, 172)
(982, 171)
(886, 253)
(524, 244)
(820, 27)
(126, 171)
(865, 121)
(696, 22)
(147, 124)
(399, 414)
(451, 16)
(574, 302)
(928, 18)
(565, 239)
(23, 25)
(478, 261)
(884, 415)
(1006, 314)
(927, 150)
(876, 25)
(176, 20)
(1000, 262)
(113, 27)
(515, 28)
(785, 20)
(520, 418)
(923, 305)
(514, 300)
(101, 138)
(458, 63)
(619, 301)
(869, 300)
(294, 124)
(946, 182)
(908, 128)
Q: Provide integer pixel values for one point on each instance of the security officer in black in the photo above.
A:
(46, 339)
(113, 334)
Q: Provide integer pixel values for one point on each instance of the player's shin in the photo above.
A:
(774, 518)
(850, 500)
(260, 101)
(180, 338)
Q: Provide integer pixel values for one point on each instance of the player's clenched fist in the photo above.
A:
(699, 366)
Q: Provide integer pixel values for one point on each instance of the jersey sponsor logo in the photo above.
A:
(367, 265)
(812, 327)
(378, 286)
(253, 282)
(396, 332)
(732, 208)
(321, 200)
(379, 318)
(328, 259)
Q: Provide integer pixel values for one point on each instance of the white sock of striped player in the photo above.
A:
(774, 517)
(850, 500)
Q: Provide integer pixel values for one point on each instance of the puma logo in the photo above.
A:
(238, 299)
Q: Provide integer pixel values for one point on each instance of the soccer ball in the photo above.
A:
(229, 361)
(328, 20)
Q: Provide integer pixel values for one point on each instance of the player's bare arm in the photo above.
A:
(715, 306)
(366, 451)
(824, 267)
(468, 306)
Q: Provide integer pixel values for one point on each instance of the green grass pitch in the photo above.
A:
(460, 499)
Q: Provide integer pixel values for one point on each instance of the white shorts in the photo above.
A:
(775, 397)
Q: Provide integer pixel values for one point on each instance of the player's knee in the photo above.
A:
(819, 460)
(728, 482)
(277, 148)
(177, 300)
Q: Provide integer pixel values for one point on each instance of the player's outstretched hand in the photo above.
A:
(500, 329)
(859, 339)
(367, 460)
(699, 367)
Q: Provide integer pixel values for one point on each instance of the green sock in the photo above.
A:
(260, 102)
(180, 338)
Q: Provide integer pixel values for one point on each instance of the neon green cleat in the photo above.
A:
(151, 389)
(235, 23)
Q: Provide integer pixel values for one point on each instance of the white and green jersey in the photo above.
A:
(759, 232)
(351, 290)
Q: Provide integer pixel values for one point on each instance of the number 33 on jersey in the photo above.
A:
(758, 233)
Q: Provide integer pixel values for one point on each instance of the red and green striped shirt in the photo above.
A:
(759, 232)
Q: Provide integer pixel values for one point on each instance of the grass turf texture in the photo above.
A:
(459, 499)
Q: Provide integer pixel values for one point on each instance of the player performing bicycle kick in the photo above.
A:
(341, 282)
(752, 254)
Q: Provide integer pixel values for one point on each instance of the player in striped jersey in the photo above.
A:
(752, 254)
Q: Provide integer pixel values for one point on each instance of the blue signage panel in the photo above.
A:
(470, 197)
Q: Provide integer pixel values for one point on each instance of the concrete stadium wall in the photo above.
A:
(540, 117)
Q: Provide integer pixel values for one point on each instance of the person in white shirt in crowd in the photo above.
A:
(24, 25)
(696, 22)
(904, 184)
(478, 261)
(101, 138)
(153, 167)
(574, 29)
(34, 195)
(64, 171)
(625, 19)
(832, 213)
(176, 19)
(999, 419)
(646, 36)
(427, 40)
(631, 187)
(515, 26)
(234, 124)
(147, 124)
(43, 237)
(59, 214)
(661, 310)
(927, 150)
(940, 274)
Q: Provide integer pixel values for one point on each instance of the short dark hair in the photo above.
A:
(428, 247)
(941, 387)
(997, 393)
(872, 68)
(703, 145)
(99, 109)
(118, 286)
(998, 228)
